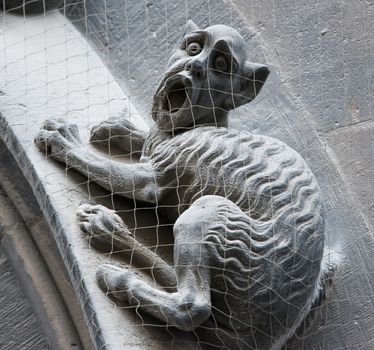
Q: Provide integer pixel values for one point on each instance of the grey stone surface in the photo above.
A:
(330, 45)
(19, 328)
(320, 55)
(353, 147)
(36, 282)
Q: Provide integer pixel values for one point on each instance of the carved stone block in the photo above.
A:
(247, 211)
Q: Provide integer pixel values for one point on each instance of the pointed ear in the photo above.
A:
(190, 27)
(252, 79)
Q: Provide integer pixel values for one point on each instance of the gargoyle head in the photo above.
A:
(208, 75)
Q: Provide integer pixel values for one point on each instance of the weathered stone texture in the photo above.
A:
(19, 328)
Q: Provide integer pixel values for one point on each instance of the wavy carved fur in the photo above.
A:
(266, 264)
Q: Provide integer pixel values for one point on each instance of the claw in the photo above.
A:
(68, 131)
(100, 224)
(85, 227)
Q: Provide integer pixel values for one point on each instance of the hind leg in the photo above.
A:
(108, 233)
(190, 306)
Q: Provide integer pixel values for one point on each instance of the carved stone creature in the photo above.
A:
(247, 211)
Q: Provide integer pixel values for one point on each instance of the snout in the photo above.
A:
(196, 68)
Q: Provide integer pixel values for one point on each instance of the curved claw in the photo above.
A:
(102, 225)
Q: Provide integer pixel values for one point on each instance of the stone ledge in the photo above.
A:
(51, 71)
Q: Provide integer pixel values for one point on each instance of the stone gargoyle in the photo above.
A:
(247, 210)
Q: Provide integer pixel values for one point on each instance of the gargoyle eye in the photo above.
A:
(220, 63)
(194, 48)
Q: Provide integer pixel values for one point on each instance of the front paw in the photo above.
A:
(111, 128)
(101, 225)
(119, 133)
(56, 137)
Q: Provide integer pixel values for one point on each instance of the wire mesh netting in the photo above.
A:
(180, 224)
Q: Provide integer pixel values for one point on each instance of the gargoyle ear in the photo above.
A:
(190, 27)
(253, 77)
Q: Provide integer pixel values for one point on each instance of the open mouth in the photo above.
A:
(176, 94)
(175, 98)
